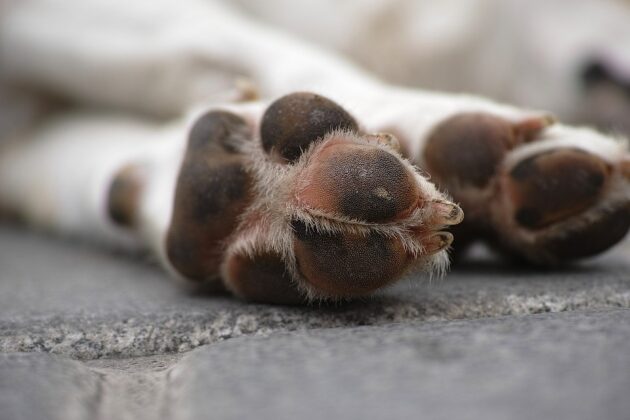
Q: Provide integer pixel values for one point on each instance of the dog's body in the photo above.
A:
(545, 193)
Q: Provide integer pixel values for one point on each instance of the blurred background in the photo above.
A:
(568, 57)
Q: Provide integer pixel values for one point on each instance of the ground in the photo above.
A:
(96, 335)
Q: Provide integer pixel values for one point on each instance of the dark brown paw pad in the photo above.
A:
(123, 196)
(217, 131)
(346, 264)
(552, 186)
(591, 239)
(467, 149)
(213, 189)
(261, 278)
(358, 181)
(293, 122)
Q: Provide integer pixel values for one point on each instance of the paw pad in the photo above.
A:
(293, 122)
(467, 149)
(555, 185)
(213, 189)
(262, 278)
(591, 239)
(347, 264)
(360, 182)
(123, 196)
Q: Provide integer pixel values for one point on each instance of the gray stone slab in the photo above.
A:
(35, 386)
(549, 366)
(78, 300)
(572, 365)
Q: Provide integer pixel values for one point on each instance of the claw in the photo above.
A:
(446, 213)
(437, 242)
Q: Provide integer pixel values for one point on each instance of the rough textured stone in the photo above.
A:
(79, 301)
(557, 366)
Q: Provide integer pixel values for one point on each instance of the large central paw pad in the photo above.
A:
(359, 181)
(332, 212)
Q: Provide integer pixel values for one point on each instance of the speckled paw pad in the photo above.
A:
(359, 181)
(313, 208)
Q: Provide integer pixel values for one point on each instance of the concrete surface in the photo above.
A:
(90, 334)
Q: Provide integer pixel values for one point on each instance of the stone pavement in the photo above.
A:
(87, 334)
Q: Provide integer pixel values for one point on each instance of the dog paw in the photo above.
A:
(545, 193)
(297, 203)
